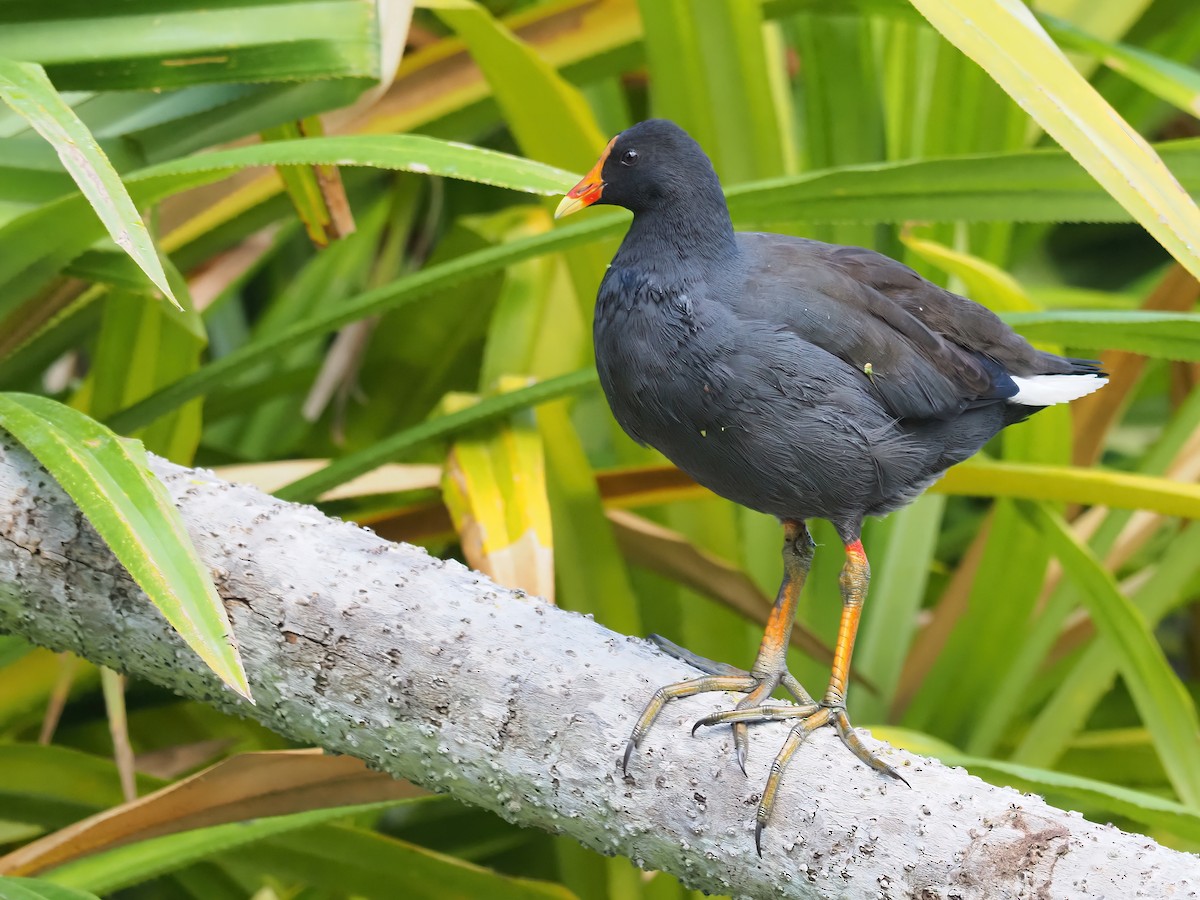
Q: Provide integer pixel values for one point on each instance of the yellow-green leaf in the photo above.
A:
(1161, 699)
(110, 479)
(1005, 39)
(981, 477)
(494, 486)
(36, 889)
(25, 87)
(984, 282)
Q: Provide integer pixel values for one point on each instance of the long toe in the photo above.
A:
(845, 731)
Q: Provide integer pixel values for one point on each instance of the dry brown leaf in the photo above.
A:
(243, 787)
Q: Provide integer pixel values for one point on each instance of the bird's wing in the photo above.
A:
(926, 353)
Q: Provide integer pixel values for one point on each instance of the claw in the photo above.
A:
(629, 746)
(758, 830)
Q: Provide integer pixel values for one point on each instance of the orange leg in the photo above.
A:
(770, 667)
(770, 671)
(855, 576)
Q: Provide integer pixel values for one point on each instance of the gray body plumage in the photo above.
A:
(759, 414)
(797, 378)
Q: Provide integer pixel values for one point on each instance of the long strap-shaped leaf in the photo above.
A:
(352, 465)
(1161, 700)
(1005, 39)
(36, 889)
(1162, 335)
(109, 479)
(25, 87)
(908, 185)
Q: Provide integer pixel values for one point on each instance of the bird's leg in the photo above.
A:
(770, 666)
(855, 576)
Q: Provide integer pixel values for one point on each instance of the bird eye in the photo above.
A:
(629, 158)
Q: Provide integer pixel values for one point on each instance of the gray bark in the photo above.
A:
(432, 673)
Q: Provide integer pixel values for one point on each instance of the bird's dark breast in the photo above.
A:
(752, 412)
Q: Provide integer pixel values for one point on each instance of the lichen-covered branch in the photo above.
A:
(430, 672)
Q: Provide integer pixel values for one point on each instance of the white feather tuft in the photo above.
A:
(1047, 390)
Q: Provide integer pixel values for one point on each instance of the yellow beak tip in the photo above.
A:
(567, 206)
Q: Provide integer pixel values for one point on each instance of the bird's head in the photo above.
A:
(653, 162)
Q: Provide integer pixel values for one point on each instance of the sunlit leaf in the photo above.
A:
(110, 480)
(244, 787)
(36, 889)
(355, 464)
(982, 477)
(494, 486)
(1159, 334)
(87, 48)
(25, 87)
(1162, 701)
(1165, 78)
(1006, 40)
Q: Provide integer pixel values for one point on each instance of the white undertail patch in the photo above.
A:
(1047, 390)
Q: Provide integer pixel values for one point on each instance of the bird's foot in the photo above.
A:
(810, 714)
(828, 712)
(720, 677)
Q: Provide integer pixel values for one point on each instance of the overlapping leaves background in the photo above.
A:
(376, 312)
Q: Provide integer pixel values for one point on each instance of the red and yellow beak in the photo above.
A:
(588, 191)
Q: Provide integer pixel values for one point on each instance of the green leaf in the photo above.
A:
(1005, 39)
(389, 297)
(983, 282)
(591, 572)
(12, 648)
(1046, 736)
(1154, 812)
(407, 152)
(1177, 84)
(25, 87)
(900, 574)
(1163, 335)
(548, 115)
(983, 477)
(46, 239)
(109, 478)
(1092, 675)
(37, 889)
(713, 76)
(158, 43)
(1029, 186)
(353, 464)
(1162, 702)
(53, 786)
(1041, 185)
(142, 346)
(346, 860)
(127, 865)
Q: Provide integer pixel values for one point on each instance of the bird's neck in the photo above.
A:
(687, 236)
